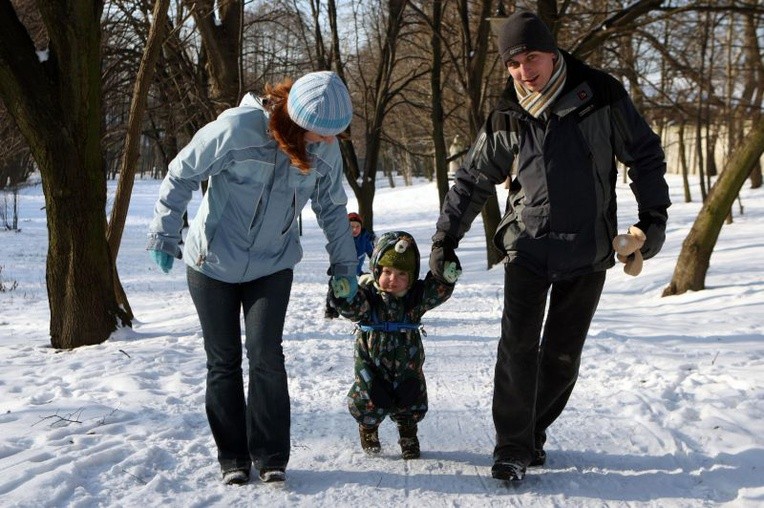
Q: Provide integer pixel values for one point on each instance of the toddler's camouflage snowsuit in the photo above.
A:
(388, 364)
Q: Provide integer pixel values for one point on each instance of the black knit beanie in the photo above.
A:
(524, 31)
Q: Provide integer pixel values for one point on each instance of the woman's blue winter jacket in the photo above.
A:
(246, 226)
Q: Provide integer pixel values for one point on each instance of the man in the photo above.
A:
(564, 124)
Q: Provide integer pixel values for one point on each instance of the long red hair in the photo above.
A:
(289, 136)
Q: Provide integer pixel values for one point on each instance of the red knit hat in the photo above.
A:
(354, 217)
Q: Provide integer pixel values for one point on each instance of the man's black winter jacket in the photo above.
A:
(561, 210)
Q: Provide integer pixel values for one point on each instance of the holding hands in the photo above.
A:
(444, 264)
(344, 286)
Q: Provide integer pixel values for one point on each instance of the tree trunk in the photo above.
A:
(693, 261)
(379, 87)
(683, 163)
(219, 24)
(57, 105)
(475, 94)
(132, 144)
(79, 269)
(437, 115)
(753, 89)
(756, 176)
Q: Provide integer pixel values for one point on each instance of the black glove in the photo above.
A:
(441, 255)
(653, 225)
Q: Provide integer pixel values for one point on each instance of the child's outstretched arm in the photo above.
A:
(355, 308)
(433, 292)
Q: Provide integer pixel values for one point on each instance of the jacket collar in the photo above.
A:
(575, 93)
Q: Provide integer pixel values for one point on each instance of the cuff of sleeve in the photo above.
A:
(343, 270)
(158, 243)
(442, 238)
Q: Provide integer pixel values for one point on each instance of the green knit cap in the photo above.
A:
(397, 250)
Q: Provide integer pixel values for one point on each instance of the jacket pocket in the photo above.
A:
(291, 213)
(511, 226)
(507, 233)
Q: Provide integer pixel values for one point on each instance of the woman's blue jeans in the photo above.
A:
(255, 429)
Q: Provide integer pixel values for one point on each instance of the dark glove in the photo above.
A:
(162, 259)
(653, 224)
(443, 261)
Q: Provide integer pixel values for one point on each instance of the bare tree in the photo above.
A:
(131, 147)
(437, 116)
(219, 23)
(752, 95)
(374, 77)
(15, 162)
(56, 102)
(693, 261)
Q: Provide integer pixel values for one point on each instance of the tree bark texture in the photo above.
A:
(437, 114)
(221, 38)
(475, 92)
(57, 106)
(131, 148)
(694, 258)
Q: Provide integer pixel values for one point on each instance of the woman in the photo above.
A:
(264, 160)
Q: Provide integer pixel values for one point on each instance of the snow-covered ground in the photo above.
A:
(668, 410)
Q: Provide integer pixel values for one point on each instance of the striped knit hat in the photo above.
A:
(319, 102)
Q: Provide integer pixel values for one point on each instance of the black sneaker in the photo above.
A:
(512, 470)
(369, 440)
(236, 476)
(538, 459)
(272, 474)
(408, 441)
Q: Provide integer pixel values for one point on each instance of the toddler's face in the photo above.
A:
(355, 228)
(392, 280)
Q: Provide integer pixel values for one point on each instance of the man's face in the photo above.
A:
(532, 69)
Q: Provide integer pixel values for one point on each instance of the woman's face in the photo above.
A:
(312, 137)
(355, 228)
(392, 280)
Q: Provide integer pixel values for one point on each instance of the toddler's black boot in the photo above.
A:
(408, 440)
(369, 440)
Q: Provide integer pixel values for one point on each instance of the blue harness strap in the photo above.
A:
(389, 326)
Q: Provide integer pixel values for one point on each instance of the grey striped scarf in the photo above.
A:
(536, 103)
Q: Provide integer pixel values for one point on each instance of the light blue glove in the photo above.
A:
(162, 259)
(451, 272)
(344, 286)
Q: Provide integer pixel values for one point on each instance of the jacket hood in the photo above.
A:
(251, 100)
(397, 249)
